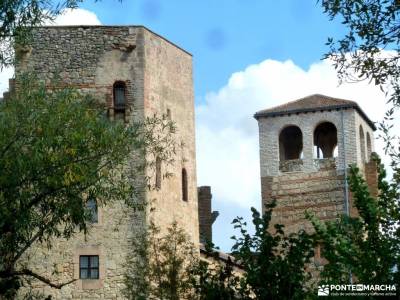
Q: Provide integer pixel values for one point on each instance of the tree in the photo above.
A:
(213, 279)
(160, 265)
(373, 25)
(57, 151)
(366, 246)
(274, 264)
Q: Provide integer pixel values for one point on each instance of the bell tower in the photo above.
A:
(305, 147)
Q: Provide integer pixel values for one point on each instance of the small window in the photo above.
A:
(184, 185)
(89, 267)
(119, 95)
(158, 173)
(91, 206)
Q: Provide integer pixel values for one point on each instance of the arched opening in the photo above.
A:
(362, 144)
(184, 185)
(119, 99)
(325, 140)
(369, 146)
(290, 143)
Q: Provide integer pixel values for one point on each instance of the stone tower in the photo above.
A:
(206, 216)
(137, 74)
(305, 148)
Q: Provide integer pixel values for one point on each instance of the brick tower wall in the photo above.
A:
(321, 193)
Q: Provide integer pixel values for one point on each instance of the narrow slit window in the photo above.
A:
(158, 173)
(91, 206)
(89, 267)
(119, 95)
(184, 185)
(119, 92)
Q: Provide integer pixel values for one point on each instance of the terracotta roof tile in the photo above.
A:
(312, 103)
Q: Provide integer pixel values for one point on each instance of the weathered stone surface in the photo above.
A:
(307, 183)
(206, 217)
(158, 79)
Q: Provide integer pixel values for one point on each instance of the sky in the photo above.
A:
(248, 56)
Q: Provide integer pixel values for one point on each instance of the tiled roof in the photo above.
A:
(316, 102)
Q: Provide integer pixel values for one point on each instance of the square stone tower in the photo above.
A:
(137, 74)
(305, 147)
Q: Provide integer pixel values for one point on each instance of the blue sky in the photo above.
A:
(227, 36)
(248, 55)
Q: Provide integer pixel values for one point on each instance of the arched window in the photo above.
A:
(184, 185)
(158, 173)
(290, 143)
(325, 140)
(369, 147)
(362, 144)
(119, 98)
(91, 206)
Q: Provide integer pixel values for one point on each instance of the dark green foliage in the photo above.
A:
(371, 25)
(57, 149)
(368, 246)
(274, 263)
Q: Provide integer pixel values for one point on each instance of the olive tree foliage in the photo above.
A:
(372, 25)
(366, 246)
(58, 150)
(159, 265)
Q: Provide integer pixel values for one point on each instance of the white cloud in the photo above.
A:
(227, 133)
(5, 74)
(76, 16)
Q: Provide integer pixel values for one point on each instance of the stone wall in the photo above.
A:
(269, 129)
(307, 183)
(158, 79)
(109, 239)
(360, 122)
(321, 193)
(168, 90)
(206, 217)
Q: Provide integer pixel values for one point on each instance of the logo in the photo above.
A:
(357, 290)
(323, 290)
